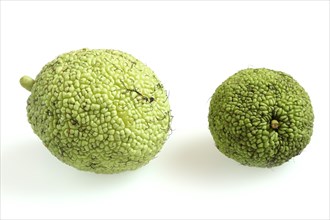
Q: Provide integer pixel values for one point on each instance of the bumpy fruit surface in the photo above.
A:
(99, 110)
(261, 117)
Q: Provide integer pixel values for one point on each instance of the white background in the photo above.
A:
(192, 47)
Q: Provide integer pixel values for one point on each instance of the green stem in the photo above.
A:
(274, 124)
(27, 82)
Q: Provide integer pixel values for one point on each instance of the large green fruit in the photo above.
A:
(99, 110)
(261, 117)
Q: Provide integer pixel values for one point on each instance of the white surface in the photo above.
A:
(193, 47)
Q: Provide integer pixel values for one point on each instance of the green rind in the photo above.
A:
(241, 113)
(99, 110)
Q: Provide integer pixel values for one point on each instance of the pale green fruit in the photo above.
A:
(261, 117)
(99, 110)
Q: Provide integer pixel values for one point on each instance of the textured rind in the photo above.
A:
(241, 111)
(99, 110)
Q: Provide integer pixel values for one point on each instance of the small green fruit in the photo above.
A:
(99, 110)
(261, 117)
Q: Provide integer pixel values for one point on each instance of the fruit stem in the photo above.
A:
(27, 82)
(274, 124)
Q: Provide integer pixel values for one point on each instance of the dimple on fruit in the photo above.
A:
(99, 110)
(261, 117)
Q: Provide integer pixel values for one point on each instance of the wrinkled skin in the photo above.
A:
(99, 110)
(261, 117)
